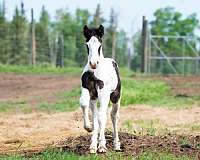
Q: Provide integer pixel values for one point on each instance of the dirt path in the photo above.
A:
(39, 130)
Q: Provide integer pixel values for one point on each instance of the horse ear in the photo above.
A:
(101, 31)
(86, 31)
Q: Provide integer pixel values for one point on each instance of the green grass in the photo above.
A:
(7, 106)
(45, 69)
(61, 155)
(141, 91)
(154, 93)
(68, 101)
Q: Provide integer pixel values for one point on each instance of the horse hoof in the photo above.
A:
(89, 129)
(102, 149)
(117, 147)
(93, 150)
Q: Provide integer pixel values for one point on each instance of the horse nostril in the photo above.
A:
(93, 66)
(97, 62)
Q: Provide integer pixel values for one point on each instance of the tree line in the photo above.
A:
(59, 42)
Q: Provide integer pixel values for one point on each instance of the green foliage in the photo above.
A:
(4, 33)
(18, 44)
(15, 37)
(97, 18)
(82, 18)
(42, 38)
(170, 22)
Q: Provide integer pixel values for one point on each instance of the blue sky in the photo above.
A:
(130, 12)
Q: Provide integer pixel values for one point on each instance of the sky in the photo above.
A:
(129, 12)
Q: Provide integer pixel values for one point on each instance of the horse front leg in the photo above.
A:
(95, 126)
(104, 97)
(84, 103)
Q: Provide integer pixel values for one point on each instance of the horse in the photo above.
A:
(100, 81)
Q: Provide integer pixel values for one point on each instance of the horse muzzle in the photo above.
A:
(93, 65)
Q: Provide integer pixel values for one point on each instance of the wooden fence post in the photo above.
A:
(144, 59)
(33, 44)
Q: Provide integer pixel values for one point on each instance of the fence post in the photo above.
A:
(144, 59)
(60, 52)
(33, 45)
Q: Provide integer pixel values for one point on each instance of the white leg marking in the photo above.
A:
(104, 97)
(114, 118)
(84, 103)
(95, 126)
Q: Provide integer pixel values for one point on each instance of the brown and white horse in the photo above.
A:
(100, 81)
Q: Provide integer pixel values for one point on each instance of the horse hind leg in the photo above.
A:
(114, 117)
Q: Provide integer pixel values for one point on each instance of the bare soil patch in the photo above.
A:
(134, 145)
(34, 132)
(34, 89)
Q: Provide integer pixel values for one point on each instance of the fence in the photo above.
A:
(168, 54)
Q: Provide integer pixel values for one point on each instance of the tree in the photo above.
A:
(170, 22)
(42, 38)
(19, 53)
(66, 26)
(112, 30)
(4, 34)
(115, 42)
(82, 18)
(97, 18)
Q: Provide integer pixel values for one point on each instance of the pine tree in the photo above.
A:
(4, 38)
(82, 18)
(111, 35)
(19, 38)
(42, 38)
(97, 19)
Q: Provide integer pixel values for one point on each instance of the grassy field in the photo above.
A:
(61, 155)
(40, 70)
(145, 91)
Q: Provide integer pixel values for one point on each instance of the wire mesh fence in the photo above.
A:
(174, 55)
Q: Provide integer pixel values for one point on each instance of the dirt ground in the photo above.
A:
(34, 132)
(134, 145)
(34, 89)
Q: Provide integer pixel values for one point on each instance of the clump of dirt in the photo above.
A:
(135, 145)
